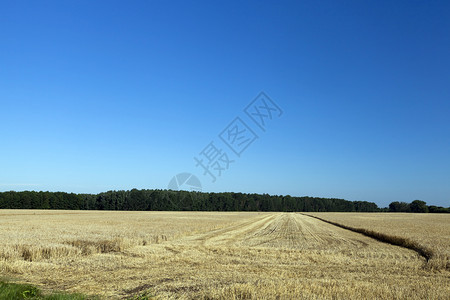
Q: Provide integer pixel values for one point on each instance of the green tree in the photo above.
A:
(418, 206)
(399, 207)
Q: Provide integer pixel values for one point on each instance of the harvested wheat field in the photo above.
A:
(219, 255)
(428, 231)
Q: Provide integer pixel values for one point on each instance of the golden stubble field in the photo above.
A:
(222, 255)
(430, 231)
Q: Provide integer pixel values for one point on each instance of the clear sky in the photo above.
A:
(104, 95)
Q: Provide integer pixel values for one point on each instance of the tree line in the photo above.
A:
(169, 200)
(417, 206)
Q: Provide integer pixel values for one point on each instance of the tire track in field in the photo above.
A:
(293, 231)
(385, 238)
(227, 235)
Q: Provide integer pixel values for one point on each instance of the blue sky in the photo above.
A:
(119, 95)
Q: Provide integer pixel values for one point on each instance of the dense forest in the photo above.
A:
(177, 200)
(196, 201)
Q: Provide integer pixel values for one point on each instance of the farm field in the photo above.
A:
(431, 231)
(221, 255)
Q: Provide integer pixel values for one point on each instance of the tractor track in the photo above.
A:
(384, 238)
(292, 231)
